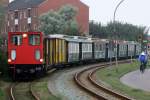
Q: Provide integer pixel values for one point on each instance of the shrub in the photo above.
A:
(3, 63)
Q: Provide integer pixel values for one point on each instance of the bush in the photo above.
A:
(3, 63)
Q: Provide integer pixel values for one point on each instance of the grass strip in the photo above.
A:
(40, 87)
(4, 89)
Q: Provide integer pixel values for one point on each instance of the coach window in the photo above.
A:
(34, 39)
(16, 39)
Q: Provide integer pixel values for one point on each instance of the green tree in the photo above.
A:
(52, 23)
(3, 62)
(68, 12)
(0, 40)
(60, 22)
(123, 31)
(72, 28)
(2, 16)
(3, 55)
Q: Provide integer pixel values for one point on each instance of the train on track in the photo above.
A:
(31, 54)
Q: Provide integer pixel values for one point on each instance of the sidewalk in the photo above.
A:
(137, 80)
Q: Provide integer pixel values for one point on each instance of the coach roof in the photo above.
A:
(20, 4)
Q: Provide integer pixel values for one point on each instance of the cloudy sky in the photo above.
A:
(132, 11)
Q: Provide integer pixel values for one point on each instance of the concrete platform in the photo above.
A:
(137, 80)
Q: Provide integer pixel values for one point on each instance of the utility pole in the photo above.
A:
(145, 39)
(114, 22)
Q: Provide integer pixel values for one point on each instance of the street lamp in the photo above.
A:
(145, 39)
(115, 32)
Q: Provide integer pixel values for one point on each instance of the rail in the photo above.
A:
(12, 94)
(90, 78)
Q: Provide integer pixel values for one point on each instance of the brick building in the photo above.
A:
(22, 15)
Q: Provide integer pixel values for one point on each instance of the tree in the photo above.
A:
(0, 40)
(3, 63)
(72, 28)
(3, 55)
(2, 16)
(123, 31)
(60, 22)
(52, 23)
(68, 12)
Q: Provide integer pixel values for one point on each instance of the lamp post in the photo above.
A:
(145, 39)
(114, 20)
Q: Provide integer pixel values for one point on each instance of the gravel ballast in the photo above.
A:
(61, 84)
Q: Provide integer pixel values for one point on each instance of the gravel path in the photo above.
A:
(137, 80)
(62, 85)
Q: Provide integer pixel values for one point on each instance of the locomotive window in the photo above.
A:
(34, 39)
(16, 39)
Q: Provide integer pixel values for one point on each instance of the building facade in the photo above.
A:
(23, 15)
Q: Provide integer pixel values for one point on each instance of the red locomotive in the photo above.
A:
(25, 53)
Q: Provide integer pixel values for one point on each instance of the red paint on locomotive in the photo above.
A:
(25, 48)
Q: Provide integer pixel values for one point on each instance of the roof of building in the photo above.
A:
(20, 4)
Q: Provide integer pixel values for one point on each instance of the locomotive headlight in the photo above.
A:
(9, 60)
(41, 60)
(25, 35)
(13, 54)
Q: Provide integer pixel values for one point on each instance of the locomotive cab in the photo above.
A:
(25, 54)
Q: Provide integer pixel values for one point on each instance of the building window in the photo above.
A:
(11, 29)
(8, 23)
(8, 29)
(29, 20)
(16, 14)
(16, 28)
(25, 14)
(11, 15)
(29, 12)
(20, 15)
(29, 27)
(8, 17)
(34, 26)
(34, 12)
(16, 21)
(24, 28)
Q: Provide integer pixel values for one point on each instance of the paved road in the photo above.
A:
(137, 80)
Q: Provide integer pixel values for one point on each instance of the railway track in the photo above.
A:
(86, 81)
(22, 91)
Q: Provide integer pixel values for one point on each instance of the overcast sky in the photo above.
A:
(136, 12)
